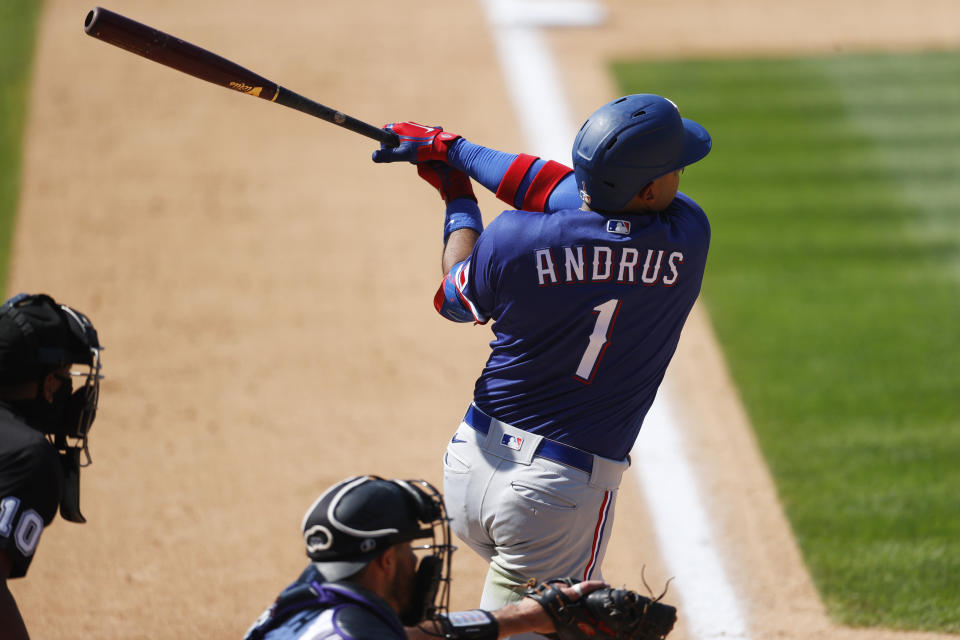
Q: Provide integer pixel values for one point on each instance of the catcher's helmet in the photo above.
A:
(630, 142)
(361, 517)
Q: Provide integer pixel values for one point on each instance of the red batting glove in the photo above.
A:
(451, 183)
(418, 143)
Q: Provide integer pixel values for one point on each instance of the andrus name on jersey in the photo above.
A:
(604, 264)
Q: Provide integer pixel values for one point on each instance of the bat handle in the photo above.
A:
(301, 103)
(390, 139)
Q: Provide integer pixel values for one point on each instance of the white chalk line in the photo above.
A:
(709, 605)
(684, 534)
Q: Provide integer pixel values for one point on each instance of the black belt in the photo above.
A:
(550, 449)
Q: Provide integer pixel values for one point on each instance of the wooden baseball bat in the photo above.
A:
(183, 56)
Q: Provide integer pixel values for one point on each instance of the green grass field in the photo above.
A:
(17, 27)
(834, 285)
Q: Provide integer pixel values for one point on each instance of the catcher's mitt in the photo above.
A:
(605, 613)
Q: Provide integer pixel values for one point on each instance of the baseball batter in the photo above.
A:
(589, 281)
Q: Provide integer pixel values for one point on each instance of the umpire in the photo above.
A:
(49, 389)
(365, 583)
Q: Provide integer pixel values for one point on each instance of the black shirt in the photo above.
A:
(31, 482)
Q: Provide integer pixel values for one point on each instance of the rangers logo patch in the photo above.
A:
(618, 226)
(511, 442)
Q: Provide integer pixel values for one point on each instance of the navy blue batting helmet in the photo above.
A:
(630, 142)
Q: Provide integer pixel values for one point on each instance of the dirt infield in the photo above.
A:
(264, 292)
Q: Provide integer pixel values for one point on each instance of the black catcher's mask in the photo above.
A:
(360, 517)
(39, 336)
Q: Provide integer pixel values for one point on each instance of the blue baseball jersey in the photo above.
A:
(587, 307)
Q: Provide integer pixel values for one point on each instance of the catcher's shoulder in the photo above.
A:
(354, 622)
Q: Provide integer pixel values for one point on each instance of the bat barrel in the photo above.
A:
(181, 55)
(173, 52)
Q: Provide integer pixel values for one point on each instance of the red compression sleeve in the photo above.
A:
(511, 180)
(536, 196)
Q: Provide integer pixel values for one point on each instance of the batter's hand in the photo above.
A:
(450, 182)
(418, 143)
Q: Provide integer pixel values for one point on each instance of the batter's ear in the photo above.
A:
(649, 192)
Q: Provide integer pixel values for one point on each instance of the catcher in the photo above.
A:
(367, 581)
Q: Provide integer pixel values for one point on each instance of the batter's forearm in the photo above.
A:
(486, 166)
(458, 248)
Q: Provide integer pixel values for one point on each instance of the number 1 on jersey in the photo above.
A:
(606, 316)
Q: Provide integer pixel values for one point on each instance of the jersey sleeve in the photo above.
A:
(469, 292)
(453, 299)
(696, 225)
(30, 486)
(522, 181)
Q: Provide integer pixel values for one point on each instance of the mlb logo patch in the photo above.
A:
(618, 226)
(511, 442)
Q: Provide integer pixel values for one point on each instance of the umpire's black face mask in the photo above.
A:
(59, 418)
(43, 415)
